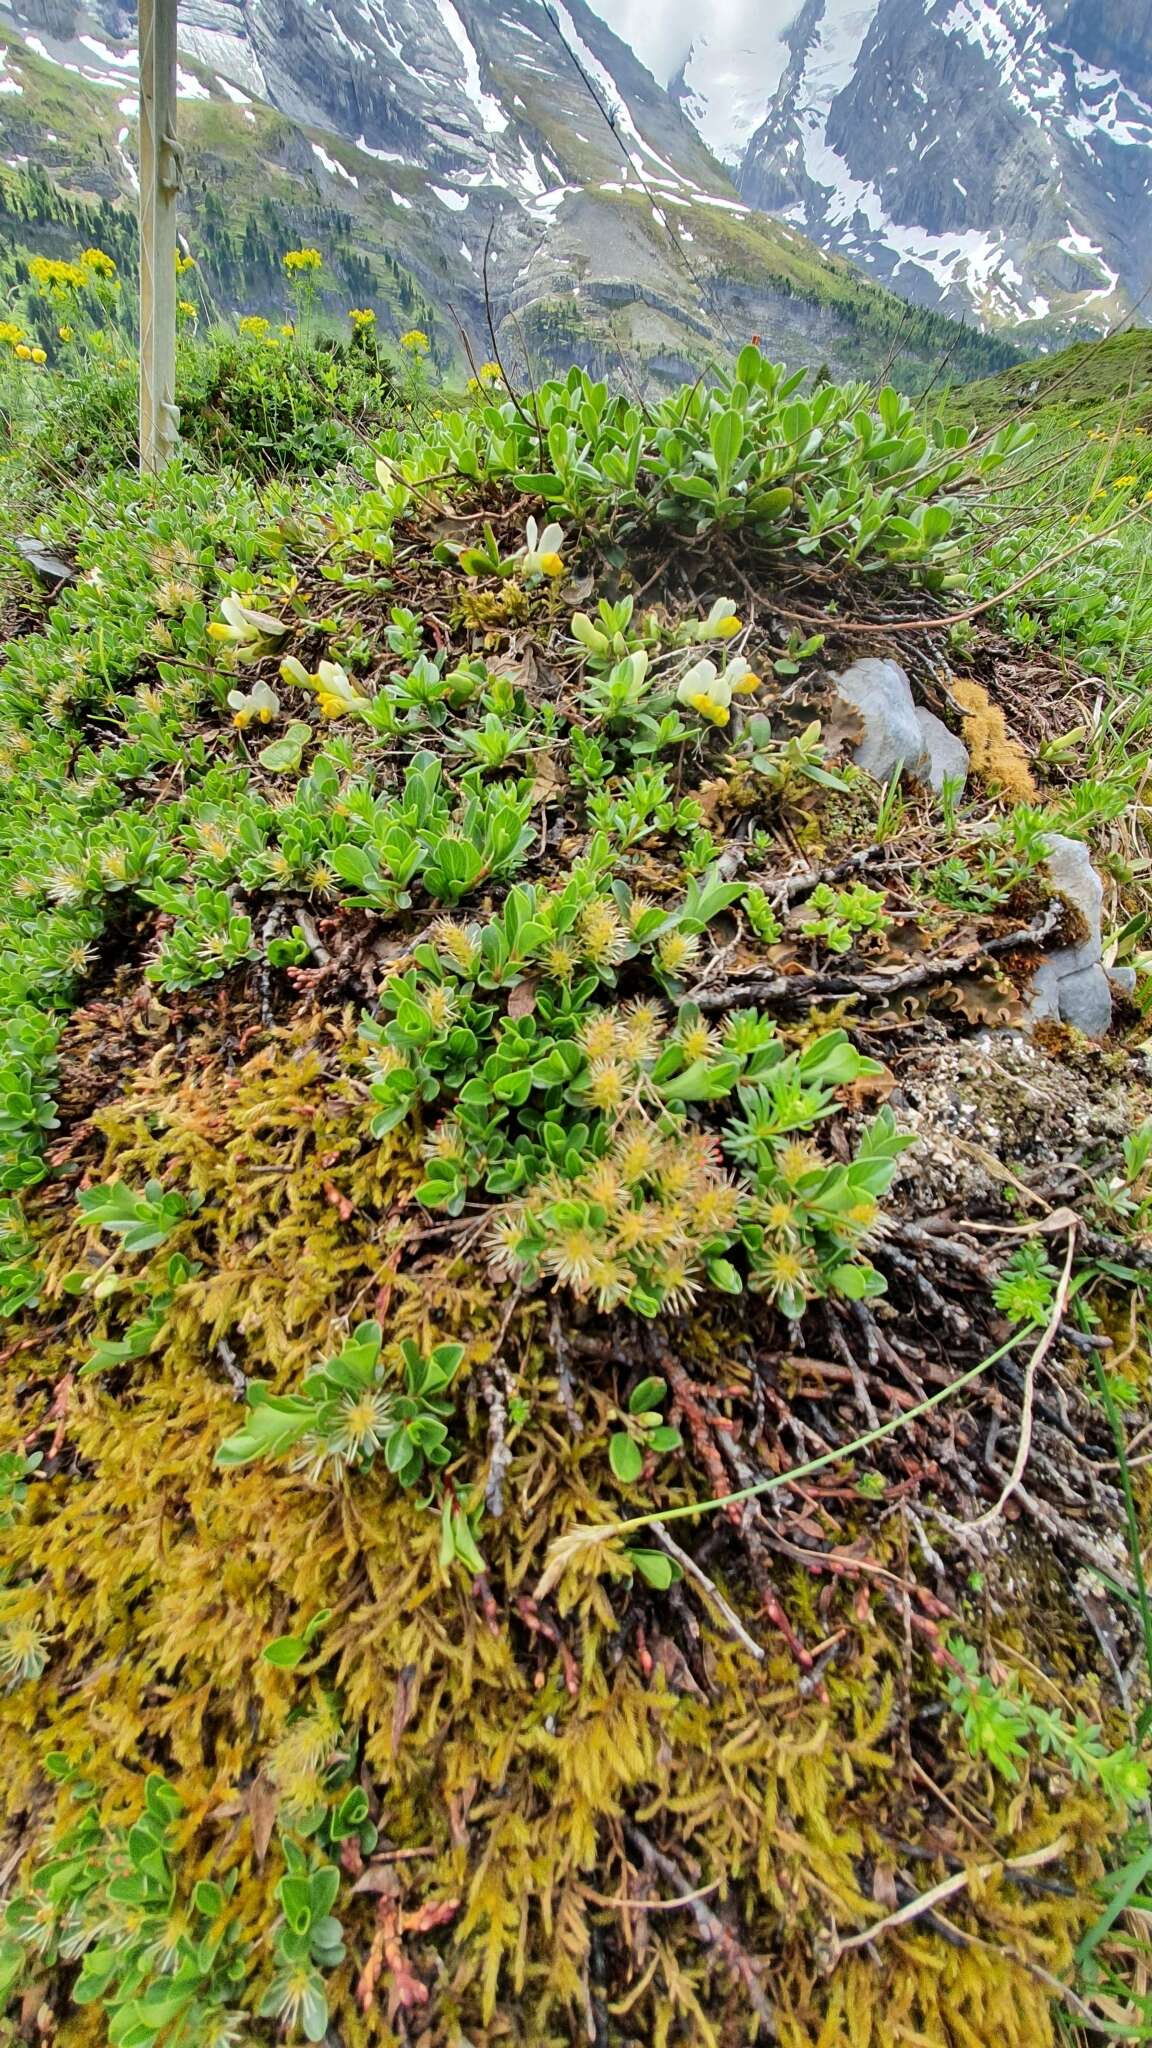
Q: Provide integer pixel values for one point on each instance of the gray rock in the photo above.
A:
(1072, 875)
(1086, 1002)
(880, 692)
(1044, 999)
(45, 566)
(946, 758)
(1070, 983)
(1123, 978)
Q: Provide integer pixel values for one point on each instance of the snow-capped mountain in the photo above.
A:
(993, 157)
(490, 99)
(464, 164)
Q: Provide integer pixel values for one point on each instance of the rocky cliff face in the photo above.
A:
(463, 89)
(510, 167)
(993, 157)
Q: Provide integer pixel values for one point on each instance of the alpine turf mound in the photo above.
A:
(487, 1078)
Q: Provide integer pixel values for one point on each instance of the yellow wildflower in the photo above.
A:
(254, 326)
(362, 317)
(65, 332)
(741, 680)
(23, 351)
(710, 708)
(97, 263)
(38, 356)
(336, 694)
(250, 632)
(184, 263)
(722, 622)
(299, 262)
(415, 342)
(259, 703)
(1124, 483)
(55, 278)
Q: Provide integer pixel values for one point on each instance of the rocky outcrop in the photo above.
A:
(987, 156)
(1071, 983)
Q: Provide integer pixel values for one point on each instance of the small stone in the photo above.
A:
(1070, 983)
(946, 756)
(1086, 1002)
(45, 566)
(880, 692)
(1124, 979)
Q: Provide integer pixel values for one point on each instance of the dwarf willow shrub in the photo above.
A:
(162, 1969)
(583, 1113)
(838, 471)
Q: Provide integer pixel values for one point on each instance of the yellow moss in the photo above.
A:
(163, 1578)
(997, 758)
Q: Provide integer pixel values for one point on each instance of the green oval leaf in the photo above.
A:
(657, 1567)
(625, 1457)
(648, 1394)
(285, 1652)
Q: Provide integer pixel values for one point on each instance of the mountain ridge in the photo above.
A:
(992, 158)
(518, 171)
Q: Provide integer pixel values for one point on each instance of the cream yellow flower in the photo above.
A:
(251, 633)
(541, 554)
(707, 692)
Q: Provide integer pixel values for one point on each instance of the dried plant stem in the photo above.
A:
(565, 1547)
(1047, 1338)
(947, 1889)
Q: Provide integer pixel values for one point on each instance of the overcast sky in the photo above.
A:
(661, 31)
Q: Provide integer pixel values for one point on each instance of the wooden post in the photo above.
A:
(160, 181)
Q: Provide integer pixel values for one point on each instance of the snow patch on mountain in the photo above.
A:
(230, 56)
(333, 166)
(724, 89)
(491, 113)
